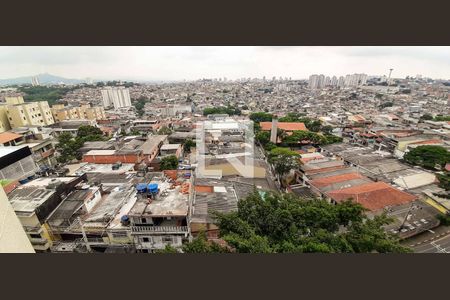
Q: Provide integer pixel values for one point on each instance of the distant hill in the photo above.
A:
(43, 79)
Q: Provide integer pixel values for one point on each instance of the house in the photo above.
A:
(374, 196)
(160, 215)
(11, 139)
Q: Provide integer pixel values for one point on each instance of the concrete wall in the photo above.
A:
(112, 159)
(13, 238)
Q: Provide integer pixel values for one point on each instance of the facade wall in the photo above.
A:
(31, 113)
(112, 159)
(20, 169)
(13, 238)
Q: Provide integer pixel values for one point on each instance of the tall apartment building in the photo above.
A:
(116, 96)
(35, 81)
(317, 81)
(61, 112)
(19, 113)
(313, 81)
(320, 81)
(334, 81)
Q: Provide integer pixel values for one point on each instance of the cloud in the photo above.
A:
(176, 63)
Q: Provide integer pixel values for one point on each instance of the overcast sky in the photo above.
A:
(178, 63)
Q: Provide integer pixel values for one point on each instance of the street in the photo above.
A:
(441, 245)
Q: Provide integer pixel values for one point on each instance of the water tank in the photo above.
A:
(153, 188)
(54, 183)
(125, 220)
(141, 187)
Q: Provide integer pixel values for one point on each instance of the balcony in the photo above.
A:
(159, 229)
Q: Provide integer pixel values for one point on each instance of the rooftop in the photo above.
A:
(288, 126)
(373, 196)
(8, 136)
(170, 146)
(171, 199)
(151, 143)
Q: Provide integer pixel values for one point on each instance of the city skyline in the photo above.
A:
(191, 63)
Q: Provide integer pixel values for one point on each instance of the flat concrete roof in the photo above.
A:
(101, 152)
(170, 146)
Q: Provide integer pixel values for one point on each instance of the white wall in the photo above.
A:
(13, 238)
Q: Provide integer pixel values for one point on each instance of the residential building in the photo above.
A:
(160, 215)
(61, 112)
(20, 113)
(34, 201)
(116, 96)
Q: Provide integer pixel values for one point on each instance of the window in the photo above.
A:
(119, 234)
(35, 236)
(167, 239)
(146, 239)
(144, 220)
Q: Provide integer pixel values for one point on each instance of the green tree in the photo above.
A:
(51, 94)
(428, 156)
(286, 223)
(426, 117)
(200, 244)
(444, 180)
(441, 118)
(284, 160)
(69, 146)
(139, 105)
(258, 117)
(263, 137)
(169, 162)
(222, 110)
(188, 144)
(164, 130)
(168, 250)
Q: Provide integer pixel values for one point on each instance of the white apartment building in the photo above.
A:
(116, 96)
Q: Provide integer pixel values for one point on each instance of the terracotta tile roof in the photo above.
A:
(8, 136)
(288, 126)
(324, 181)
(204, 189)
(428, 142)
(373, 196)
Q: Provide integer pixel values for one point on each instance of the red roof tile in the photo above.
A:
(288, 126)
(8, 136)
(428, 142)
(204, 189)
(373, 196)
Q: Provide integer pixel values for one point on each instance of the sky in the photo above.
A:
(232, 62)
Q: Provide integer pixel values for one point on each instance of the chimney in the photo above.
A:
(273, 131)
